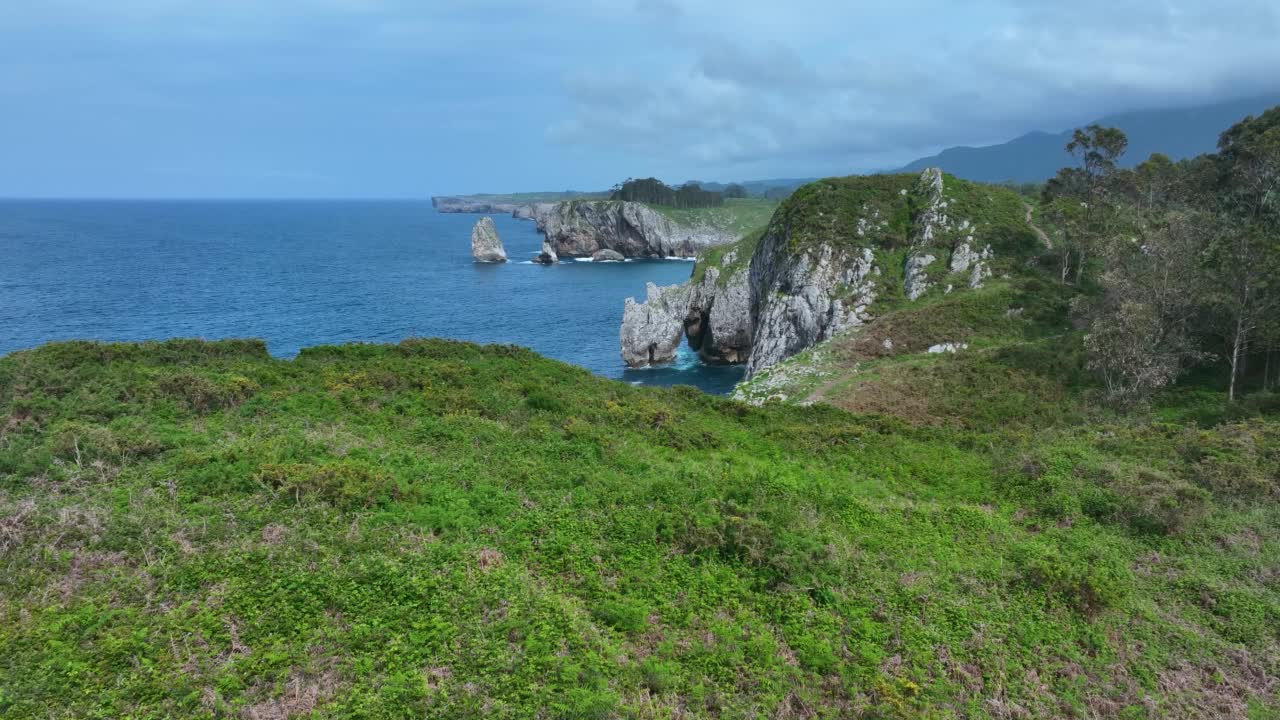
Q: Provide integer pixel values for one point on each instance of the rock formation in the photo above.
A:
(815, 272)
(607, 255)
(473, 205)
(718, 323)
(800, 299)
(486, 246)
(651, 331)
(580, 228)
(548, 255)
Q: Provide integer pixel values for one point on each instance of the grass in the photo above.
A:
(438, 529)
(738, 216)
(739, 255)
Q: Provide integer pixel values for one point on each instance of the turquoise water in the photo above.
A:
(298, 274)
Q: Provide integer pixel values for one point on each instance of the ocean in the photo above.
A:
(303, 273)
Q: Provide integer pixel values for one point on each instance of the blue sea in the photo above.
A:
(304, 273)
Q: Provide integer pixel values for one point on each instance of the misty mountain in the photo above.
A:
(1179, 133)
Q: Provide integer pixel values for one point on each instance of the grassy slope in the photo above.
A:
(442, 530)
(738, 216)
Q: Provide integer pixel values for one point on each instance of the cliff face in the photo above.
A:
(486, 246)
(718, 321)
(799, 300)
(651, 330)
(471, 205)
(833, 251)
(583, 228)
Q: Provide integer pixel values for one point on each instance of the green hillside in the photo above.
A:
(738, 216)
(437, 529)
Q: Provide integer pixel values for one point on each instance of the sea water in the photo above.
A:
(304, 273)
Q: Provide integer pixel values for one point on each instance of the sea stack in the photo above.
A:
(486, 246)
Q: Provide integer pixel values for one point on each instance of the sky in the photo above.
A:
(410, 98)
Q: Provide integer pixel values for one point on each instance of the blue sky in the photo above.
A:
(400, 98)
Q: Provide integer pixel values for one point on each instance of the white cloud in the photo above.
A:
(851, 86)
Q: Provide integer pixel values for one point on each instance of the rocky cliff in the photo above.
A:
(486, 246)
(833, 255)
(581, 228)
(473, 205)
(651, 330)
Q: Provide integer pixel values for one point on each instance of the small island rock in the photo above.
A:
(486, 246)
(548, 255)
(607, 255)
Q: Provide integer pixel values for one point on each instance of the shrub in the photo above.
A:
(343, 485)
(202, 394)
(1086, 582)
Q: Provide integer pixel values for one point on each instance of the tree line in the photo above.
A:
(688, 195)
(1178, 262)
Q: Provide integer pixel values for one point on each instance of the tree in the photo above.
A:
(1097, 149)
(1141, 328)
(735, 190)
(1245, 257)
(1088, 186)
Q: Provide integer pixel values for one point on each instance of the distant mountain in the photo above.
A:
(1179, 133)
(759, 187)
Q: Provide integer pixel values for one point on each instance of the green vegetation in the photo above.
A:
(878, 210)
(437, 529)
(653, 191)
(443, 530)
(737, 216)
(739, 256)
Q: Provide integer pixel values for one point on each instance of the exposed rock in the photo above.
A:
(718, 323)
(916, 275)
(580, 228)
(486, 246)
(932, 217)
(607, 255)
(548, 255)
(926, 230)
(802, 298)
(949, 347)
(532, 211)
(472, 205)
(799, 291)
(651, 331)
(978, 264)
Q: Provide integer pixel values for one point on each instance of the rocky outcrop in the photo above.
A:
(486, 246)
(607, 255)
(533, 211)
(802, 298)
(473, 205)
(548, 255)
(816, 272)
(582, 228)
(651, 331)
(915, 279)
(718, 323)
(966, 258)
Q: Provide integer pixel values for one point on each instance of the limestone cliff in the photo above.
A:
(486, 246)
(474, 205)
(581, 228)
(651, 331)
(833, 254)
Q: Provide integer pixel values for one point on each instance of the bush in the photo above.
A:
(346, 486)
(1086, 582)
(202, 394)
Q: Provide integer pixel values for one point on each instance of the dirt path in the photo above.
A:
(1044, 238)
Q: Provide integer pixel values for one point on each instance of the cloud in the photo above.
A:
(845, 86)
